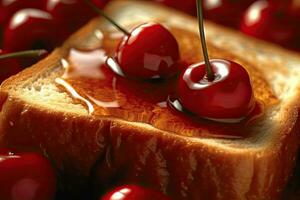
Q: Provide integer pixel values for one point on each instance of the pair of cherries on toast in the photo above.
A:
(217, 89)
(272, 20)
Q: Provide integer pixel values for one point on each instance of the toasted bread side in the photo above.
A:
(37, 114)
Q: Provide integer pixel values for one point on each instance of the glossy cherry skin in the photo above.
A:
(30, 29)
(26, 176)
(150, 51)
(226, 12)
(267, 21)
(228, 97)
(9, 7)
(188, 6)
(72, 14)
(8, 67)
(134, 192)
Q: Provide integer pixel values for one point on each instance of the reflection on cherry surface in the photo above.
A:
(33, 24)
(9, 7)
(134, 192)
(228, 96)
(150, 51)
(271, 22)
(26, 176)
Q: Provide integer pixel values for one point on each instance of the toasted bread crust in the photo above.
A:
(183, 167)
(144, 154)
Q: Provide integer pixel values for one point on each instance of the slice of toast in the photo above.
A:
(149, 144)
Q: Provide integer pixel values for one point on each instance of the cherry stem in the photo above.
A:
(209, 71)
(29, 53)
(103, 14)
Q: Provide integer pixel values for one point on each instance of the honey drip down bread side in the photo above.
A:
(153, 146)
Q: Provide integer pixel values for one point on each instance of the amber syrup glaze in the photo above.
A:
(96, 85)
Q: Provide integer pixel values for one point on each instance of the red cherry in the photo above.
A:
(72, 13)
(228, 97)
(26, 176)
(8, 67)
(9, 7)
(188, 6)
(149, 51)
(267, 21)
(226, 12)
(31, 29)
(134, 192)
